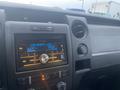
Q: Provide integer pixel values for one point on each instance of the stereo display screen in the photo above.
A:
(37, 51)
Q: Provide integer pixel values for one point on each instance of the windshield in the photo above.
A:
(105, 8)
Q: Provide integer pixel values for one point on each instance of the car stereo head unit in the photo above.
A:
(36, 51)
(38, 56)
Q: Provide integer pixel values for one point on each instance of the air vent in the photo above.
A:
(79, 29)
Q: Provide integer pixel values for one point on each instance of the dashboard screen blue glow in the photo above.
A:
(33, 50)
(35, 46)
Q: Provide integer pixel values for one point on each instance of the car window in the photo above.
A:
(105, 8)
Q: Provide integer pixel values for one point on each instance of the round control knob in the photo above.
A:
(31, 89)
(61, 86)
(82, 49)
(44, 58)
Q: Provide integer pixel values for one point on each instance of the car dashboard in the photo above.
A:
(55, 49)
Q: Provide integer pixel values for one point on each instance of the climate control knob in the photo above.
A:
(82, 49)
(31, 89)
(61, 86)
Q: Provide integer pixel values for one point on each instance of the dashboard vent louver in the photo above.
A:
(79, 29)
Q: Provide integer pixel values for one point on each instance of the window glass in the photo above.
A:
(106, 8)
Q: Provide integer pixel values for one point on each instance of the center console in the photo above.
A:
(38, 56)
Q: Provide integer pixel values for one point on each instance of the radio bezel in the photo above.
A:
(14, 27)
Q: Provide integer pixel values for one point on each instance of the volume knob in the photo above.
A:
(44, 58)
